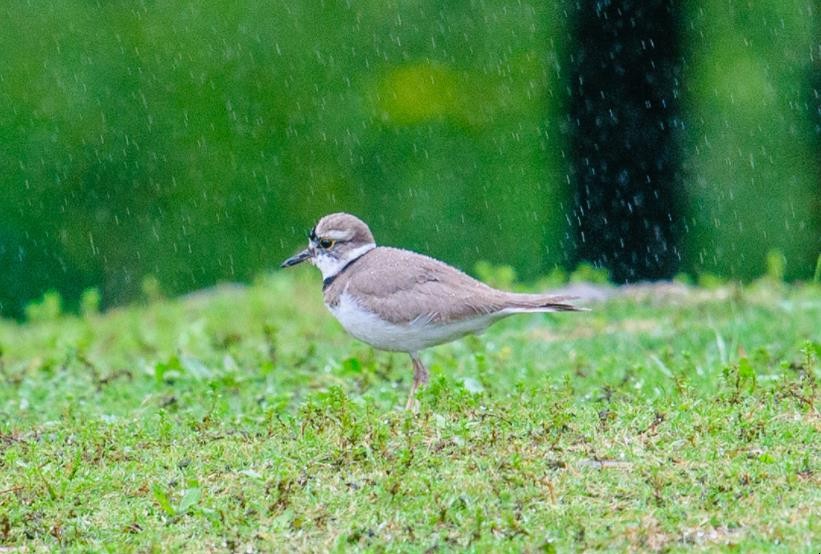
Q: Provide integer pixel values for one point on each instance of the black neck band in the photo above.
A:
(329, 280)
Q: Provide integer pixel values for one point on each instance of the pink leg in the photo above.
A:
(420, 377)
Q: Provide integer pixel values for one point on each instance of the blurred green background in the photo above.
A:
(196, 142)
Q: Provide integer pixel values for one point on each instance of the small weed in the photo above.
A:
(48, 308)
(90, 302)
(189, 499)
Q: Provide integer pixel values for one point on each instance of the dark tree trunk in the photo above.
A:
(624, 123)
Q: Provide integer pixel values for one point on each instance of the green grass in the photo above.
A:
(245, 419)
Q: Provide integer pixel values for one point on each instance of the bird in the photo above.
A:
(401, 301)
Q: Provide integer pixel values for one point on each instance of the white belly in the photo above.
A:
(410, 337)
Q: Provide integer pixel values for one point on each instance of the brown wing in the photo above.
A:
(406, 287)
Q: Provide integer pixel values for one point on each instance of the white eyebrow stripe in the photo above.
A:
(338, 235)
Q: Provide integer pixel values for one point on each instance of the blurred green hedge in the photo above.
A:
(754, 139)
(196, 142)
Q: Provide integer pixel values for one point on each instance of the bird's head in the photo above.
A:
(335, 241)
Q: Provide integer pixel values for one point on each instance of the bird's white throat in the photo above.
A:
(331, 265)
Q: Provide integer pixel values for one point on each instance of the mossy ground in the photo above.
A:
(244, 419)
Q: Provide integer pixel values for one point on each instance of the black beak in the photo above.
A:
(298, 259)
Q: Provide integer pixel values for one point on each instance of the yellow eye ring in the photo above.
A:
(326, 243)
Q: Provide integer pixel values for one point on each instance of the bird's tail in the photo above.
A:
(517, 303)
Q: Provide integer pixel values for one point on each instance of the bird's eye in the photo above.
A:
(326, 243)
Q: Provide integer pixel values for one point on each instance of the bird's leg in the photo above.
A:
(420, 372)
(420, 377)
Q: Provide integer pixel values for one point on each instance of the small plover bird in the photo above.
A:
(401, 301)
